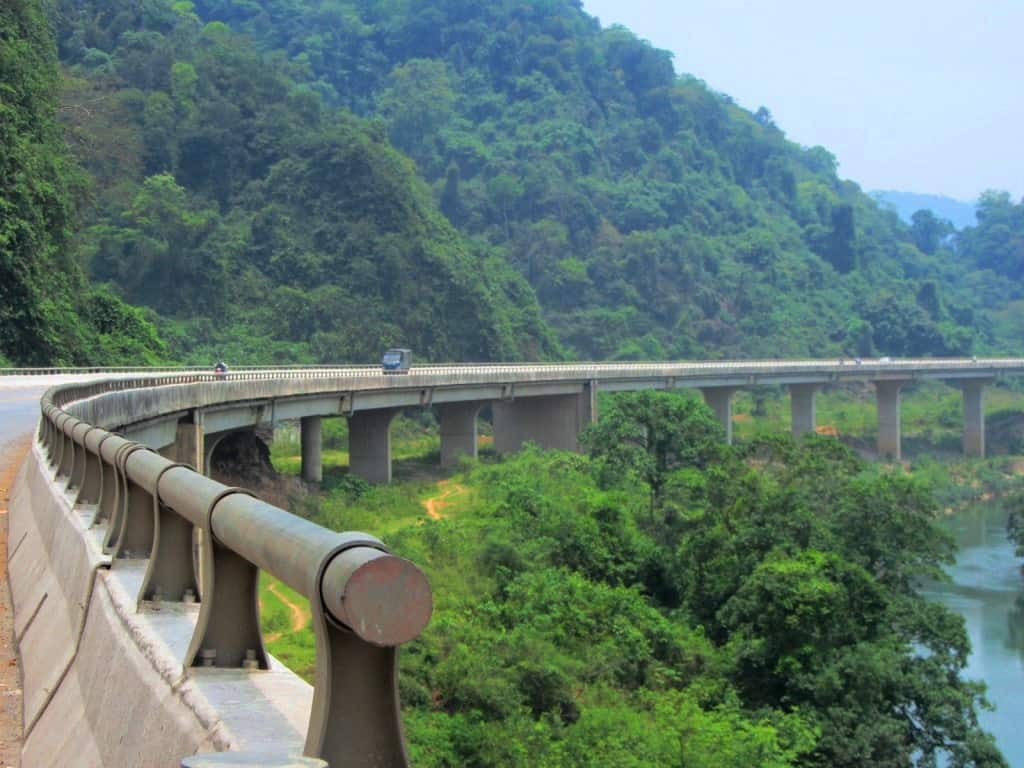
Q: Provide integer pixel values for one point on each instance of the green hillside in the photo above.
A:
(312, 181)
(260, 224)
(652, 216)
(49, 315)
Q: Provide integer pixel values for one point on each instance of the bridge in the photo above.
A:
(134, 575)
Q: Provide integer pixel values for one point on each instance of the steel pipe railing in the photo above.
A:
(364, 600)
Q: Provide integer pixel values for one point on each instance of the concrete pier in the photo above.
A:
(802, 408)
(312, 462)
(190, 444)
(458, 431)
(974, 417)
(369, 444)
(719, 399)
(888, 396)
(550, 421)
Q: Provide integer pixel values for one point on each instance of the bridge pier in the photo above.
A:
(458, 431)
(310, 437)
(974, 416)
(550, 421)
(190, 442)
(719, 399)
(802, 408)
(369, 444)
(888, 397)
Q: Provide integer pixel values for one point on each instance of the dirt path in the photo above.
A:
(435, 504)
(300, 615)
(10, 677)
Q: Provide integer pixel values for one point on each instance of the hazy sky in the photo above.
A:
(908, 94)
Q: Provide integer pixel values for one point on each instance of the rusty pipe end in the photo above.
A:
(384, 599)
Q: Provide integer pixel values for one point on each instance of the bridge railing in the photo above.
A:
(365, 601)
(192, 374)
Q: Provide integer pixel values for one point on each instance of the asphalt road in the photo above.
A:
(19, 411)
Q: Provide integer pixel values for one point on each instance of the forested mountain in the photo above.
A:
(48, 313)
(650, 215)
(569, 195)
(260, 224)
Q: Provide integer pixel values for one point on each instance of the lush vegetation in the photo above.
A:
(49, 315)
(562, 192)
(652, 216)
(670, 600)
(238, 194)
(259, 223)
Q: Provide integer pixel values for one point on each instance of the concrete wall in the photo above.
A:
(104, 683)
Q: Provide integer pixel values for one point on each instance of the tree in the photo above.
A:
(651, 435)
(417, 103)
(451, 203)
(929, 231)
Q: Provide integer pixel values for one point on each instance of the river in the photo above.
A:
(987, 589)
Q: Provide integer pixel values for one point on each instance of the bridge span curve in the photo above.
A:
(109, 507)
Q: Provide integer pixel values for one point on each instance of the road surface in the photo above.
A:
(19, 414)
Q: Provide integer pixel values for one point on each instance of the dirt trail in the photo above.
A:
(10, 677)
(300, 615)
(435, 504)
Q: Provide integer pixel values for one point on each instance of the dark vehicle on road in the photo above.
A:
(220, 368)
(396, 361)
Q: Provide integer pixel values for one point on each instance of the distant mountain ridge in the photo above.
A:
(906, 204)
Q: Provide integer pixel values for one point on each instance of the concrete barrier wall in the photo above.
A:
(51, 576)
(104, 683)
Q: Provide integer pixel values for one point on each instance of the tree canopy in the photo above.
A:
(49, 315)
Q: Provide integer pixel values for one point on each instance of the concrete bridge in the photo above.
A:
(137, 651)
(545, 404)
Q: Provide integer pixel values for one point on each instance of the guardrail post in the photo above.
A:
(108, 486)
(67, 449)
(370, 603)
(229, 614)
(78, 433)
(92, 480)
(132, 503)
(170, 573)
(58, 444)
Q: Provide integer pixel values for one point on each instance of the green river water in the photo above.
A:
(987, 589)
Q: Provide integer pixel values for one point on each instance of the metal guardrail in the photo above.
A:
(364, 601)
(576, 370)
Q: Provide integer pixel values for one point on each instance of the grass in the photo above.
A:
(295, 648)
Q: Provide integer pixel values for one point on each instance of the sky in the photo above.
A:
(907, 94)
